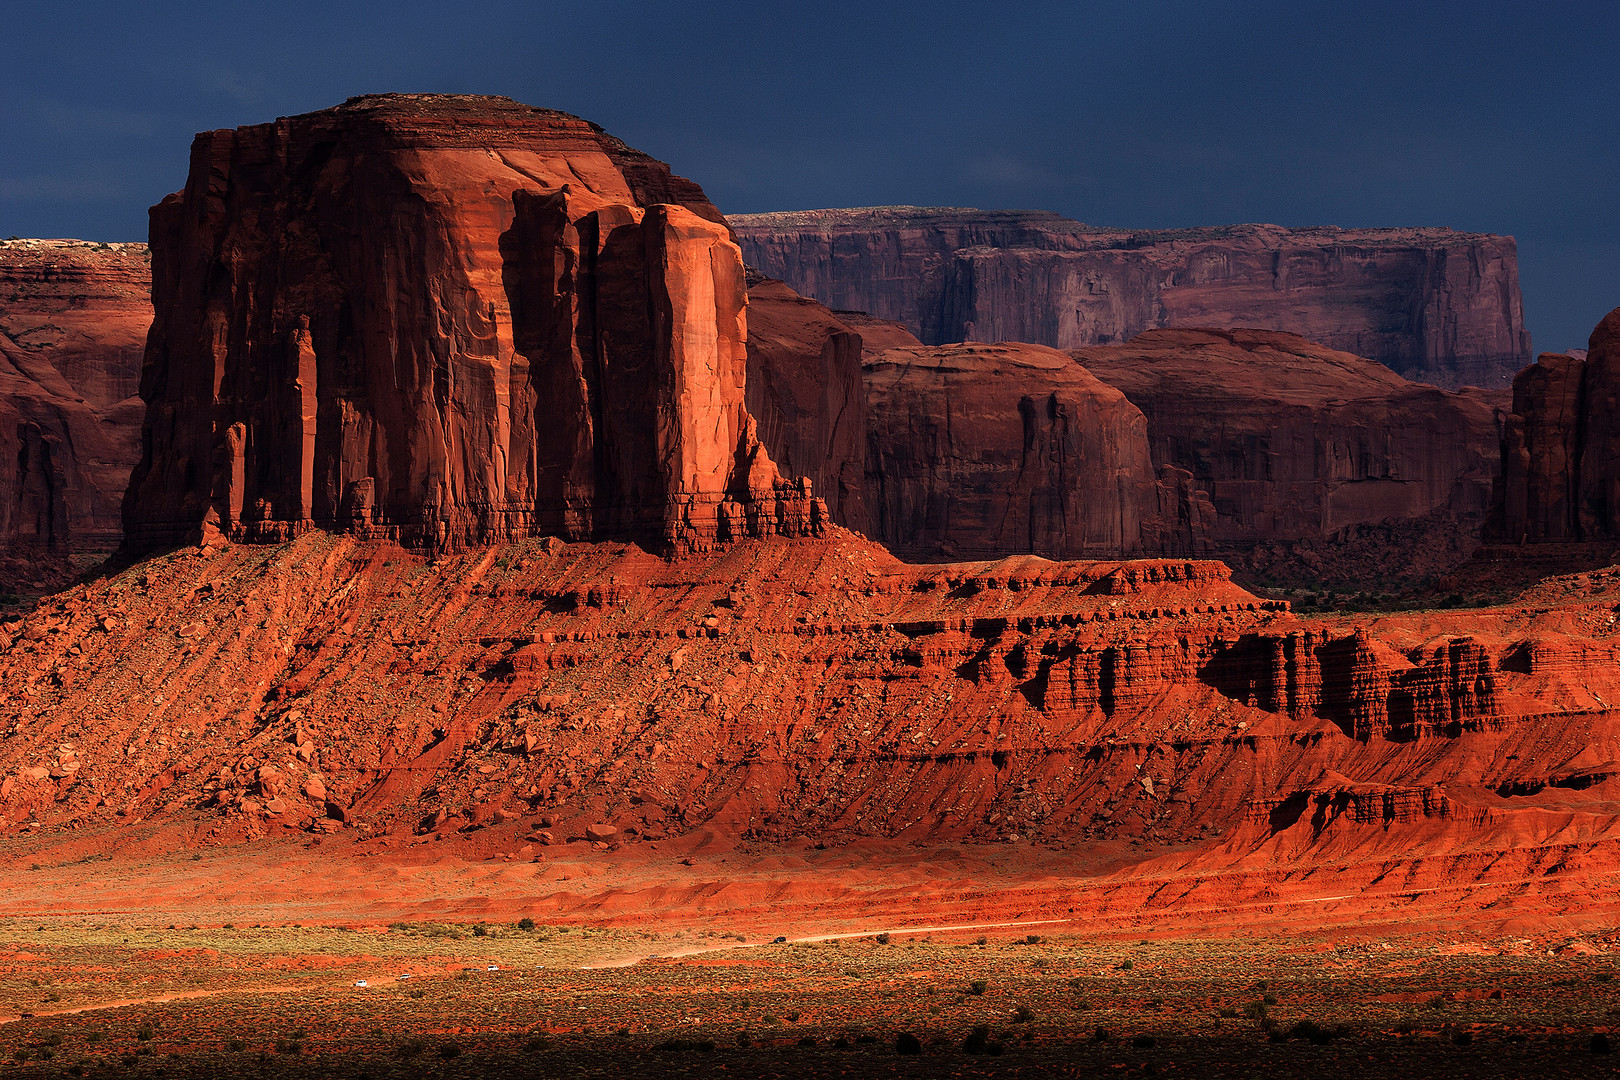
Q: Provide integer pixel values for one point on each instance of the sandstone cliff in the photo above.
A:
(73, 320)
(1560, 447)
(1435, 305)
(1003, 449)
(805, 393)
(1293, 441)
(447, 320)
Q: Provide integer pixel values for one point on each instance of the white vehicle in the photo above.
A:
(405, 976)
(493, 967)
(360, 982)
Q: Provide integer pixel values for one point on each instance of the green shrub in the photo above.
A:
(525, 923)
(978, 987)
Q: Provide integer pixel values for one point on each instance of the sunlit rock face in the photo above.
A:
(447, 320)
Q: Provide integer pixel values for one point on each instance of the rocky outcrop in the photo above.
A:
(447, 320)
(1293, 441)
(1560, 448)
(73, 320)
(805, 393)
(1540, 451)
(1001, 449)
(1432, 304)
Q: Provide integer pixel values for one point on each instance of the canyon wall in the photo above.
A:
(1560, 448)
(447, 320)
(805, 393)
(984, 450)
(1432, 304)
(73, 322)
(1294, 441)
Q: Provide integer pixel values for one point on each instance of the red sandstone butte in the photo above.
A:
(1561, 446)
(1432, 304)
(73, 320)
(806, 395)
(1295, 441)
(983, 450)
(446, 320)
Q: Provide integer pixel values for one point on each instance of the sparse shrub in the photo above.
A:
(143, 1032)
(417, 993)
(53, 1039)
(450, 1050)
(907, 1043)
(769, 1020)
(1437, 1002)
(480, 930)
(525, 923)
(236, 1046)
(1102, 1034)
(93, 1036)
(410, 1048)
(1462, 1038)
(1023, 1015)
(743, 1041)
(537, 1043)
(883, 938)
(1600, 1044)
(1226, 1012)
(1032, 939)
(1270, 999)
(1142, 1042)
(807, 1041)
(1125, 965)
(289, 1046)
(866, 1040)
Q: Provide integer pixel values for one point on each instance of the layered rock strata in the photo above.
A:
(73, 322)
(1435, 305)
(804, 688)
(447, 320)
(999, 449)
(1560, 448)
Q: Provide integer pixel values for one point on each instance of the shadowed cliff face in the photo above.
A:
(1013, 449)
(1295, 441)
(73, 317)
(1435, 305)
(1561, 446)
(447, 320)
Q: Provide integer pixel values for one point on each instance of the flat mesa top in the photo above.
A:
(861, 218)
(447, 121)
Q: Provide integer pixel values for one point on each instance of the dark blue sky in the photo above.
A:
(1486, 116)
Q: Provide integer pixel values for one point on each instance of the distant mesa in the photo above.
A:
(1434, 305)
(448, 320)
